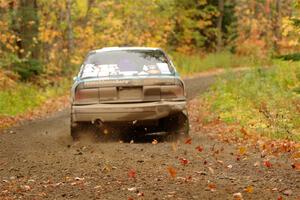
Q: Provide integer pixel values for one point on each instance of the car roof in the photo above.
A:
(124, 48)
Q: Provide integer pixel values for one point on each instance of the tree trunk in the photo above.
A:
(219, 25)
(27, 28)
(277, 25)
(14, 25)
(70, 28)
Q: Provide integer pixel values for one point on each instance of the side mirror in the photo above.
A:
(74, 78)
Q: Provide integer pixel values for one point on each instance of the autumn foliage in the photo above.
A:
(40, 37)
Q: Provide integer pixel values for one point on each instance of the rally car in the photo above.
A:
(130, 87)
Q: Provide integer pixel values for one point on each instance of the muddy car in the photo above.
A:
(133, 88)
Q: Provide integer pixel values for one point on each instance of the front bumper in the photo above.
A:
(127, 112)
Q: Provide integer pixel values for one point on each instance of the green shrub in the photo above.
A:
(264, 100)
(28, 69)
(188, 64)
(293, 57)
(26, 96)
(19, 99)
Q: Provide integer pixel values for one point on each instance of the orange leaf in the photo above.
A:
(249, 189)
(212, 186)
(296, 155)
(242, 150)
(188, 141)
(189, 178)
(184, 161)
(199, 148)
(172, 171)
(296, 166)
(132, 173)
(243, 131)
(267, 164)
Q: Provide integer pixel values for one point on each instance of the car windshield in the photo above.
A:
(126, 62)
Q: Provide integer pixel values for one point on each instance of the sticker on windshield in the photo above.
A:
(90, 70)
(107, 70)
(163, 67)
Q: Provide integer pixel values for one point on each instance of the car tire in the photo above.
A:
(177, 125)
(75, 130)
(184, 128)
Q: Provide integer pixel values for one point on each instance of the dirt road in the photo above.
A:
(39, 160)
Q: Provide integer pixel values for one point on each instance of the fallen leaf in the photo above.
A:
(130, 198)
(78, 179)
(57, 184)
(75, 183)
(201, 172)
(106, 168)
(26, 187)
(229, 166)
(211, 170)
(256, 164)
(132, 173)
(243, 131)
(189, 178)
(172, 171)
(242, 150)
(220, 162)
(42, 194)
(296, 166)
(154, 141)
(249, 189)
(199, 148)
(212, 187)
(296, 155)
(184, 161)
(131, 189)
(188, 141)
(140, 194)
(267, 164)
(287, 192)
(280, 198)
(238, 196)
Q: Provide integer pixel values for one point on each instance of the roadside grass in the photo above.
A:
(264, 101)
(23, 97)
(194, 63)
